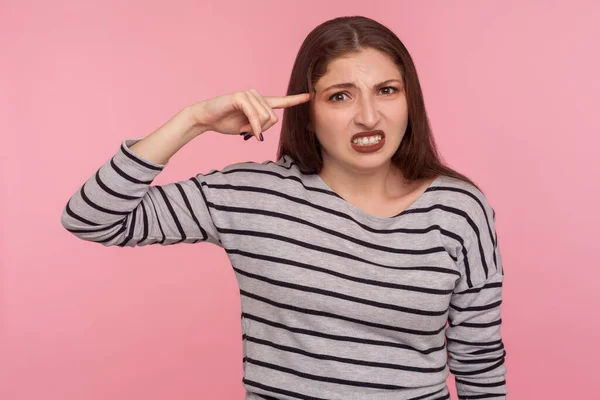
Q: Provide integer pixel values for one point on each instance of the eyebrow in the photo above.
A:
(347, 85)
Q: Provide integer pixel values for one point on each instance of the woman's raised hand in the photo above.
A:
(246, 112)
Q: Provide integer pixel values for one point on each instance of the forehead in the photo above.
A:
(368, 65)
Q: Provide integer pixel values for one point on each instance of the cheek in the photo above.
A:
(333, 120)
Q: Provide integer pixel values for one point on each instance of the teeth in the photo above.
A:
(367, 141)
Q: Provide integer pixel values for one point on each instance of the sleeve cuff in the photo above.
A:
(132, 166)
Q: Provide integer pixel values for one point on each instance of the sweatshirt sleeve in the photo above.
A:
(475, 347)
(118, 206)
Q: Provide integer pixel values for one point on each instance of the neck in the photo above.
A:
(368, 186)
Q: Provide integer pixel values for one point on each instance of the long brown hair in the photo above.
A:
(417, 155)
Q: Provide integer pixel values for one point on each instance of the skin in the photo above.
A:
(370, 182)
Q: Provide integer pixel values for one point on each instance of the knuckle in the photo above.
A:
(240, 97)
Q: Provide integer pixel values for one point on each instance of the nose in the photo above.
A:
(367, 114)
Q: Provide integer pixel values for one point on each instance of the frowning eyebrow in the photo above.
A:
(349, 85)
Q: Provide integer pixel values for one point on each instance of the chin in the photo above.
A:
(369, 162)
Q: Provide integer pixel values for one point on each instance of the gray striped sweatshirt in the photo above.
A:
(336, 303)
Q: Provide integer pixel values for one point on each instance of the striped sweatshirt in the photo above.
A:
(336, 303)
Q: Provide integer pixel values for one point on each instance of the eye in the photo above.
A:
(393, 89)
(337, 97)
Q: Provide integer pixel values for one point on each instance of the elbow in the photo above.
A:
(107, 235)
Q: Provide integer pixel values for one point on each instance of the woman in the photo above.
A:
(352, 251)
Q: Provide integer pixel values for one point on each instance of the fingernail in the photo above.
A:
(248, 136)
(261, 137)
(243, 133)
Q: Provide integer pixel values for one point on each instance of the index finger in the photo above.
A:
(287, 101)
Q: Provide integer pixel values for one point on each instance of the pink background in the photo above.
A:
(512, 91)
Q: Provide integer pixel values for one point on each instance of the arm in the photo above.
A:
(475, 347)
(118, 205)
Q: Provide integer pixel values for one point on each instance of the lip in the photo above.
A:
(368, 149)
(369, 133)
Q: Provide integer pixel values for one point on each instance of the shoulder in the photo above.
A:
(477, 229)
(253, 172)
(466, 211)
(463, 197)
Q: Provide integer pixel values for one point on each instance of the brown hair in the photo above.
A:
(417, 155)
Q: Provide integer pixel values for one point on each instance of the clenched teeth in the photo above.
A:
(367, 140)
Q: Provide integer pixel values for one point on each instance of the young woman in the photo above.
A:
(367, 269)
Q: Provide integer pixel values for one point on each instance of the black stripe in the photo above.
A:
(478, 384)
(278, 164)
(467, 266)
(478, 308)
(430, 394)
(486, 351)
(330, 293)
(141, 162)
(77, 217)
(131, 230)
(281, 260)
(117, 233)
(100, 208)
(92, 230)
(480, 245)
(481, 360)
(478, 325)
(157, 220)
(191, 211)
(342, 338)
(477, 372)
(262, 396)
(340, 317)
(321, 378)
(145, 223)
(199, 186)
(475, 344)
(112, 192)
(271, 173)
(126, 176)
(479, 289)
(165, 198)
(319, 248)
(281, 391)
(364, 363)
(298, 264)
(480, 396)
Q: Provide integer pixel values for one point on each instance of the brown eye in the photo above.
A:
(337, 96)
(393, 89)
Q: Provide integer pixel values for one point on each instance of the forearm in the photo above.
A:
(160, 145)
